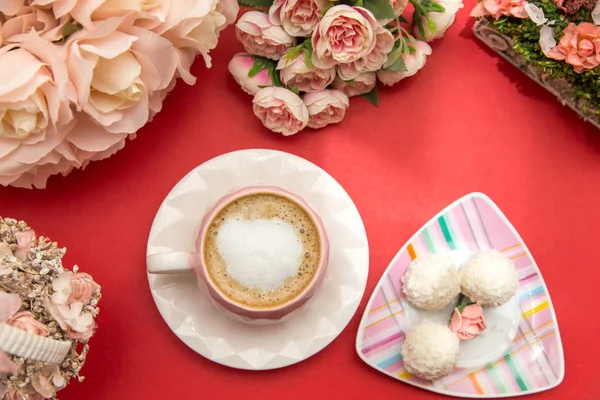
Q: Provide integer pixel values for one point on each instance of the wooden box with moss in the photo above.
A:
(557, 44)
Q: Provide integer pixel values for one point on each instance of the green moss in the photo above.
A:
(525, 36)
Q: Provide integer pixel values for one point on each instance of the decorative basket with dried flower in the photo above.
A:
(47, 315)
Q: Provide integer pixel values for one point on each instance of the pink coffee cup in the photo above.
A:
(178, 262)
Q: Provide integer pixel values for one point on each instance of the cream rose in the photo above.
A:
(116, 68)
(413, 62)
(260, 37)
(296, 74)
(442, 20)
(298, 17)
(240, 65)
(280, 110)
(197, 25)
(325, 107)
(35, 114)
(345, 34)
(25, 321)
(33, 18)
(363, 83)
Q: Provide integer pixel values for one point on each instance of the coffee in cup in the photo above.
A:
(261, 252)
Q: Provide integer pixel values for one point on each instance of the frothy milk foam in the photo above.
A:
(262, 250)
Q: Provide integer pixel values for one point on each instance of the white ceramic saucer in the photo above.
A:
(194, 318)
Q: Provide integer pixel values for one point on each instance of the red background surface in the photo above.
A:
(467, 122)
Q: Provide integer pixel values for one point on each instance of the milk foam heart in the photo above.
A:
(260, 254)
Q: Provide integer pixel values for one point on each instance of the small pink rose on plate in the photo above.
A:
(469, 323)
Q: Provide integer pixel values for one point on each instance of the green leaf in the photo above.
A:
(274, 75)
(381, 9)
(372, 97)
(431, 26)
(256, 3)
(70, 28)
(260, 63)
(295, 90)
(351, 82)
(398, 65)
(435, 7)
(402, 19)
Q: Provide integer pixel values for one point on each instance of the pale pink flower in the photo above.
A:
(280, 110)
(78, 325)
(296, 74)
(9, 305)
(345, 34)
(384, 42)
(498, 8)
(118, 101)
(413, 62)
(579, 46)
(48, 381)
(240, 65)
(442, 20)
(25, 241)
(363, 83)
(196, 25)
(11, 7)
(82, 288)
(25, 321)
(33, 18)
(298, 17)
(260, 37)
(469, 323)
(325, 107)
(35, 114)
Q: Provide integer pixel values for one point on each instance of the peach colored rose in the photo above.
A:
(40, 20)
(498, 8)
(345, 34)
(240, 65)
(82, 288)
(325, 107)
(413, 62)
(280, 110)
(296, 74)
(363, 83)
(196, 25)
(579, 46)
(260, 37)
(25, 321)
(11, 7)
(298, 17)
(469, 323)
(35, 113)
(25, 241)
(384, 43)
(146, 64)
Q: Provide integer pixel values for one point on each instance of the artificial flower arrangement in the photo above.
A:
(556, 42)
(47, 315)
(305, 58)
(79, 77)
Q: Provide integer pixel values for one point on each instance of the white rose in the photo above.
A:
(442, 20)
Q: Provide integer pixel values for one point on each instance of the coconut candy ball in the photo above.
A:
(489, 278)
(430, 351)
(431, 282)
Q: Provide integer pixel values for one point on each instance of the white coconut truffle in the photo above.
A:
(431, 282)
(489, 278)
(430, 351)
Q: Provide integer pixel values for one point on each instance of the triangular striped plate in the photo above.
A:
(533, 360)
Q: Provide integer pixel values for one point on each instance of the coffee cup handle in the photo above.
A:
(174, 262)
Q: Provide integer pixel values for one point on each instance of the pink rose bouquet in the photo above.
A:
(304, 58)
(44, 303)
(61, 103)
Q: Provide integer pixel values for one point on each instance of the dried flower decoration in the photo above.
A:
(41, 298)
